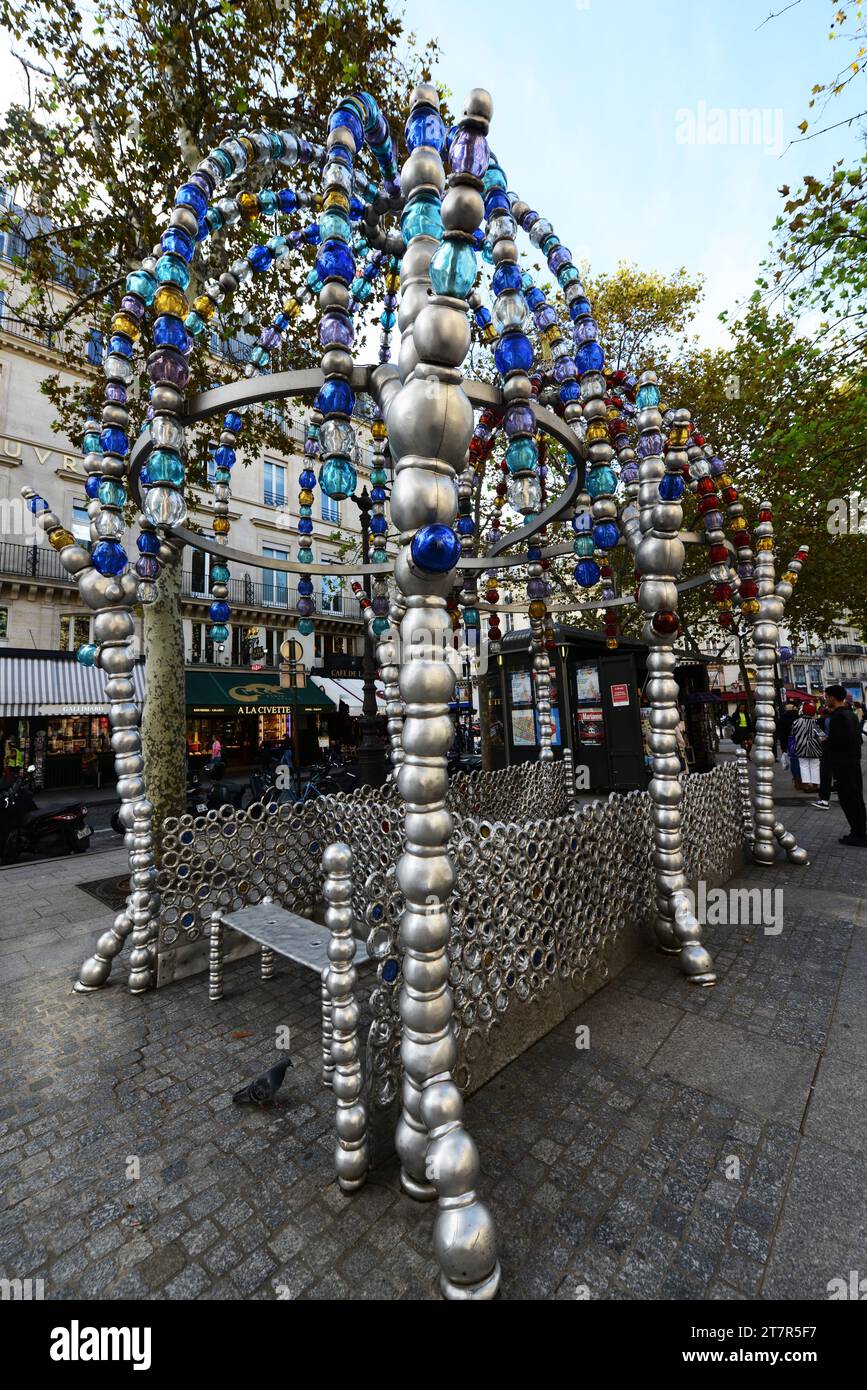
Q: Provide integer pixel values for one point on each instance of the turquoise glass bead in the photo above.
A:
(165, 467)
(647, 395)
(112, 494)
(583, 545)
(422, 218)
(305, 626)
(521, 456)
(219, 633)
(601, 481)
(453, 269)
(141, 283)
(337, 478)
(220, 574)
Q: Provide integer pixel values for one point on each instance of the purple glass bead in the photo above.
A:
(745, 570)
(115, 391)
(518, 419)
(311, 448)
(528, 219)
(306, 607)
(170, 367)
(334, 328)
(713, 521)
(608, 594)
(565, 369)
(269, 338)
(199, 181)
(469, 152)
(648, 444)
(585, 331)
(630, 473)
(535, 588)
(147, 567)
(380, 606)
(560, 256)
(384, 354)
(132, 305)
(717, 466)
(545, 317)
(543, 471)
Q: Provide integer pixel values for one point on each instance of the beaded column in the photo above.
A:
(659, 558)
(765, 637)
(430, 421)
(351, 1156)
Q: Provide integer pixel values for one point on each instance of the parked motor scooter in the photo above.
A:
(27, 828)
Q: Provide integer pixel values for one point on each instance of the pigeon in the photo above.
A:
(263, 1090)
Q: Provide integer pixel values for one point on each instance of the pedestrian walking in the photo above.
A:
(808, 747)
(844, 749)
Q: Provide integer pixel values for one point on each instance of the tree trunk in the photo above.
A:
(485, 723)
(164, 725)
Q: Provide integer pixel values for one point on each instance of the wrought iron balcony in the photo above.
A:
(249, 593)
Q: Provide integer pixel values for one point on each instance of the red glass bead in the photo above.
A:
(664, 622)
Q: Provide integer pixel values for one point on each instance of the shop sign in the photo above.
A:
(620, 694)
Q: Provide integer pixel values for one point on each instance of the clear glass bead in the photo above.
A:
(510, 311)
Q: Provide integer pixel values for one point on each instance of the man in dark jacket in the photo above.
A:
(844, 755)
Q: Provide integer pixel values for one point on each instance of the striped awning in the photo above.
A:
(55, 686)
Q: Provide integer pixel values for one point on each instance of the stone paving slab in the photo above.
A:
(671, 1160)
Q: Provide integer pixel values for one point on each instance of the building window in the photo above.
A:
(800, 676)
(332, 594)
(74, 631)
(81, 524)
(4, 621)
(330, 509)
(275, 484)
(200, 571)
(203, 647)
(815, 676)
(275, 583)
(95, 347)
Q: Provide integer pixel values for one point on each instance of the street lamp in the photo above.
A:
(371, 749)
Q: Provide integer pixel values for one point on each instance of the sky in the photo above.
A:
(608, 116)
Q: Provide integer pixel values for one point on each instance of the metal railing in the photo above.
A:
(250, 593)
(64, 340)
(32, 562)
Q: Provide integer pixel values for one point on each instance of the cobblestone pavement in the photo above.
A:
(710, 1144)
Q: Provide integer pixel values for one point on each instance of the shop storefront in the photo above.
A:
(246, 709)
(55, 712)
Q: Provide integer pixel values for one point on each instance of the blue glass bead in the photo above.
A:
(570, 391)
(507, 277)
(335, 261)
(606, 534)
(465, 526)
(305, 526)
(177, 241)
(534, 297)
(141, 283)
(378, 525)
(453, 269)
(671, 487)
(435, 549)
(305, 627)
(422, 218)
(601, 481)
(471, 617)
(377, 494)
(336, 397)
(579, 309)
(587, 573)
(92, 485)
(345, 117)
(307, 479)
(337, 478)
(259, 357)
(259, 257)
(121, 344)
(171, 271)
(219, 633)
(109, 557)
(170, 332)
(513, 353)
(234, 422)
(86, 655)
(478, 239)
(148, 543)
(305, 606)
(305, 587)
(219, 574)
(189, 196)
(494, 201)
(583, 545)
(483, 316)
(534, 553)
(112, 494)
(37, 504)
(165, 466)
(589, 358)
(287, 199)
(225, 457)
(425, 127)
(114, 441)
(521, 456)
(647, 395)
(219, 611)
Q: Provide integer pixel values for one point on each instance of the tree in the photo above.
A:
(122, 102)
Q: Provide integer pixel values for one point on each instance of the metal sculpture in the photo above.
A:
(344, 1073)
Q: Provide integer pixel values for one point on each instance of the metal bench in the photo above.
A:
(281, 933)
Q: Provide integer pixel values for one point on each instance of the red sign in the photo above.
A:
(620, 694)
